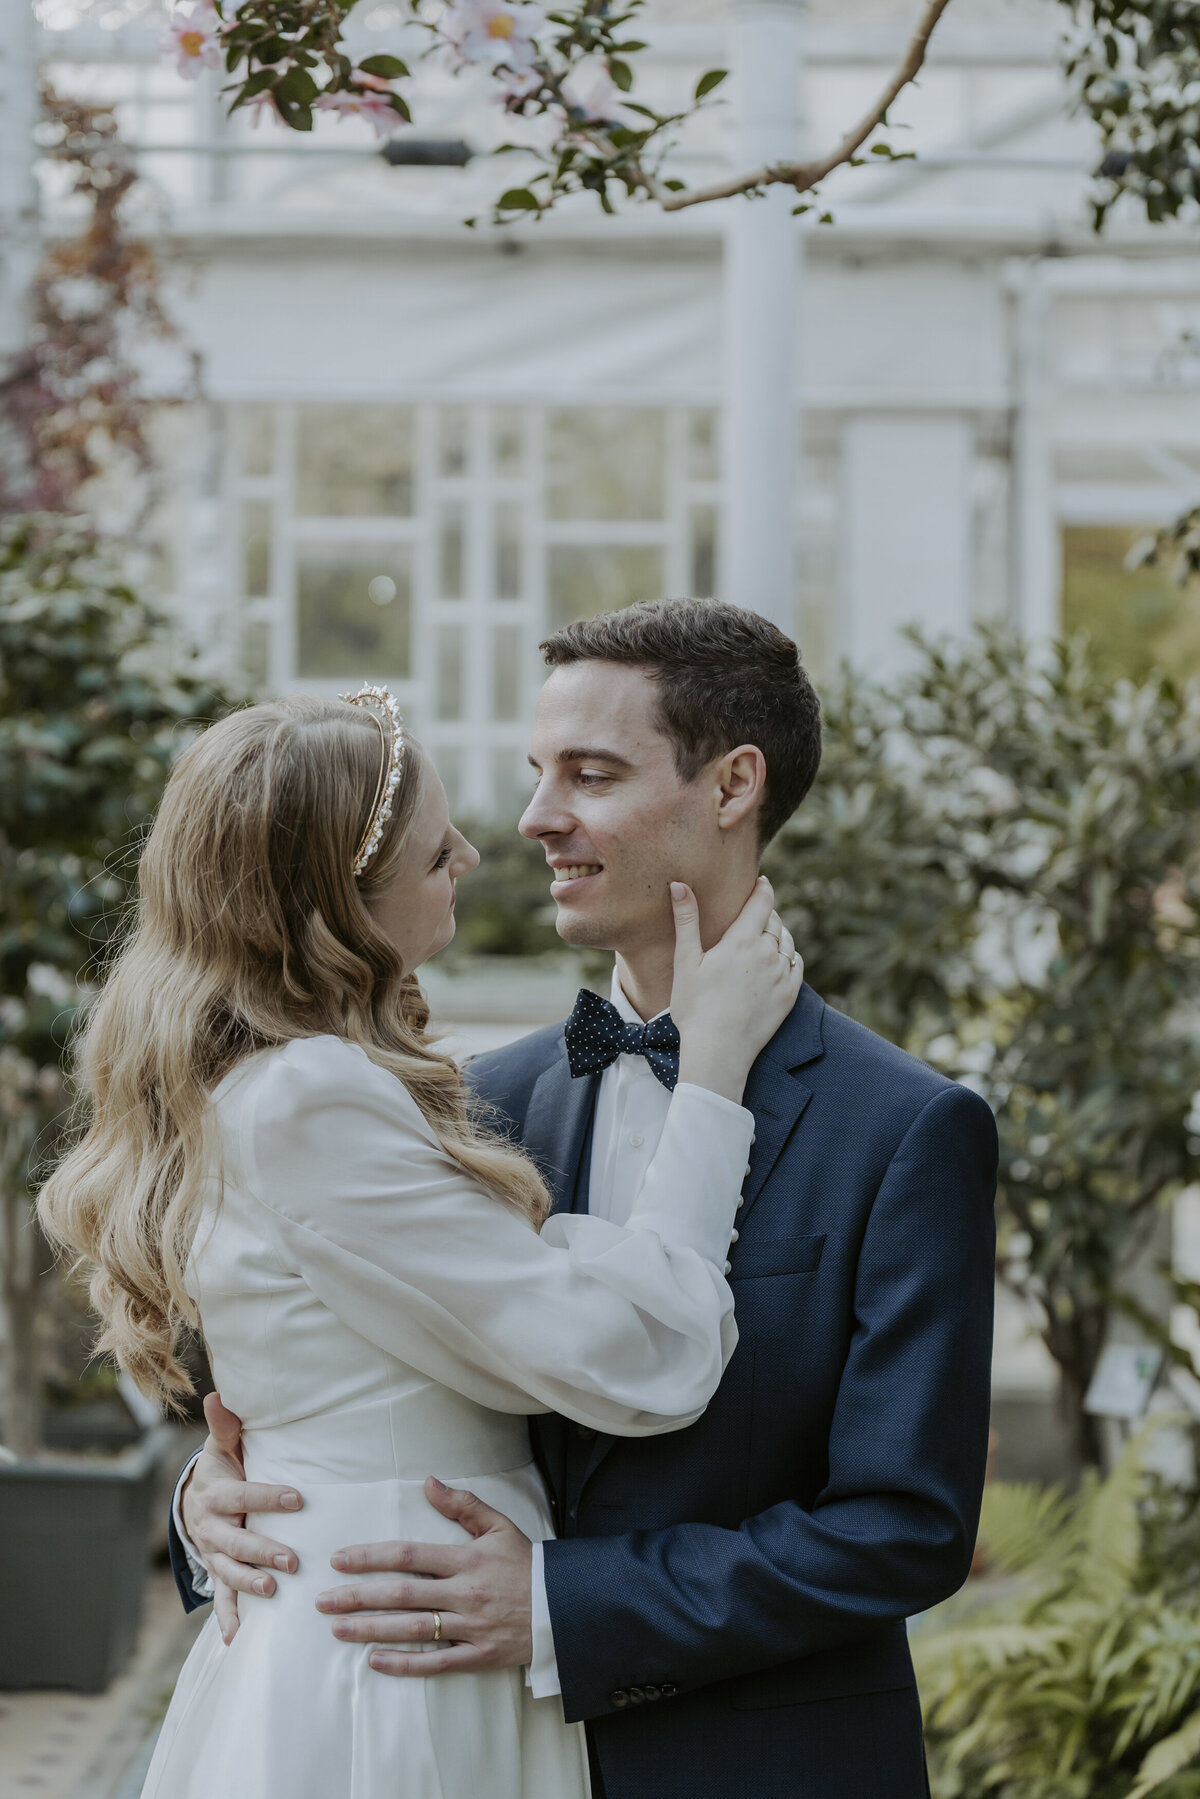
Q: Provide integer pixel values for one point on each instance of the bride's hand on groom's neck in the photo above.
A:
(215, 1501)
(728, 1001)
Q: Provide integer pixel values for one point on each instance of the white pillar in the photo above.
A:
(762, 295)
(1037, 573)
(18, 188)
(905, 526)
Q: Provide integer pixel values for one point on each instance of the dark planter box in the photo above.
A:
(74, 1552)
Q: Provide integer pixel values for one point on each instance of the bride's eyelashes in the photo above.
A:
(441, 859)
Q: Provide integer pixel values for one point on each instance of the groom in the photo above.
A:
(725, 1606)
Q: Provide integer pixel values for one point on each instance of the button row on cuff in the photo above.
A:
(624, 1696)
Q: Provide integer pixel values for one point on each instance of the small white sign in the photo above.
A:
(1123, 1381)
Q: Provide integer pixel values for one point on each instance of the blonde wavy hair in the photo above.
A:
(250, 930)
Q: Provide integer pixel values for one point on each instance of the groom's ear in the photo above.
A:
(741, 778)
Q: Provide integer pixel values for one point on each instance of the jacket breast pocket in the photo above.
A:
(777, 1255)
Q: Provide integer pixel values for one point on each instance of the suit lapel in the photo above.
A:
(556, 1124)
(775, 1095)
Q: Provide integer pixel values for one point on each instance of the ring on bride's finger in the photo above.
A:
(437, 1626)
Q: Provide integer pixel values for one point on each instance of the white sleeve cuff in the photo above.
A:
(691, 1189)
(202, 1580)
(542, 1674)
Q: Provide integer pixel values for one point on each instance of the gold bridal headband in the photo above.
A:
(391, 768)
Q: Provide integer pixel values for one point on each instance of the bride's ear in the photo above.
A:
(741, 782)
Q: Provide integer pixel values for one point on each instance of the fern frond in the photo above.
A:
(1169, 1757)
(1023, 1526)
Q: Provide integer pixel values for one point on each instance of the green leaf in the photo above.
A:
(258, 83)
(296, 114)
(1168, 1758)
(708, 82)
(518, 199)
(297, 88)
(400, 105)
(621, 73)
(389, 68)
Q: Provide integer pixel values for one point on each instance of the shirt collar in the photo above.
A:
(623, 1006)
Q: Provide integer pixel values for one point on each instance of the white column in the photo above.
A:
(905, 525)
(18, 189)
(762, 294)
(1037, 573)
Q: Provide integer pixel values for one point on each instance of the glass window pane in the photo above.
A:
(450, 686)
(353, 610)
(450, 552)
(588, 578)
(606, 462)
(704, 552)
(355, 462)
(453, 431)
(508, 551)
(256, 439)
(1137, 619)
(256, 549)
(508, 441)
(702, 445)
(256, 652)
(506, 672)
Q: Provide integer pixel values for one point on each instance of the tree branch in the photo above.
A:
(804, 176)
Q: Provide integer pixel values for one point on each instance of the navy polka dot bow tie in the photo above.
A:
(596, 1035)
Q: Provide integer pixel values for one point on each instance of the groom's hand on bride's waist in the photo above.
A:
(471, 1600)
(214, 1504)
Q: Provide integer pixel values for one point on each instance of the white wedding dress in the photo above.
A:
(375, 1316)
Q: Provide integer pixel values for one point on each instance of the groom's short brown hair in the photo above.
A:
(724, 676)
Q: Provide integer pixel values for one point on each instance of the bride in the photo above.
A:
(277, 1153)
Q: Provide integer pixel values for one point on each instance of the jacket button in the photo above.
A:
(636, 1695)
(729, 1267)
(667, 1690)
(652, 1692)
(741, 1202)
(733, 1236)
(619, 1698)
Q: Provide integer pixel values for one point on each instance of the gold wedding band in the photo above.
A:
(437, 1626)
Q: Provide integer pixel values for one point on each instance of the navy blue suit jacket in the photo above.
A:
(728, 1601)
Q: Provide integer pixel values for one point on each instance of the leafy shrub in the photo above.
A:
(1081, 1680)
(999, 868)
(97, 698)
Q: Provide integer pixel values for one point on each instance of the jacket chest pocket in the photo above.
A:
(763, 1256)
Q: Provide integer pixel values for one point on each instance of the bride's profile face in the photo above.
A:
(416, 908)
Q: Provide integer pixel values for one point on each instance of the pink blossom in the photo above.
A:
(515, 87)
(373, 107)
(193, 37)
(499, 33)
(360, 78)
(260, 104)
